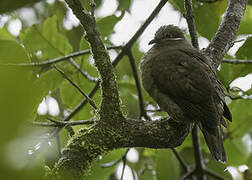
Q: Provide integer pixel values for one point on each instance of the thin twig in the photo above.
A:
(191, 23)
(153, 110)
(240, 40)
(235, 97)
(236, 61)
(199, 167)
(76, 110)
(179, 158)
(63, 123)
(59, 59)
(91, 102)
(138, 86)
(112, 163)
(58, 145)
(209, 1)
(139, 32)
(124, 162)
(84, 73)
(70, 130)
(54, 121)
(187, 175)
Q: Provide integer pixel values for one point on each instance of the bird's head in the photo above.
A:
(168, 33)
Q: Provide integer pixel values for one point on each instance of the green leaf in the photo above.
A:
(145, 167)
(124, 5)
(17, 89)
(245, 51)
(48, 81)
(241, 116)
(249, 162)
(74, 37)
(178, 5)
(46, 39)
(148, 175)
(168, 167)
(130, 101)
(230, 72)
(6, 35)
(123, 70)
(106, 24)
(137, 54)
(59, 8)
(10, 5)
(225, 74)
(246, 22)
(83, 43)
(11, 52)
(208, 26)
(237, 152)
(187, 154)
(218, 168)
(205, 26)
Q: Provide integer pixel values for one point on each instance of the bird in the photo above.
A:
(184, 84)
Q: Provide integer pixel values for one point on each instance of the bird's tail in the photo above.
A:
(215, 144)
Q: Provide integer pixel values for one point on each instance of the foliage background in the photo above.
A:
(23, 88)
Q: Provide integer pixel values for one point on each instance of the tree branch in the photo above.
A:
(63, 123)
(236, 61)
(88, 144)
(115, 62)
(180, 160)
(138, 86)
(191, 23)
(60, 59)
(110, 105)
(199, 168)
(222, 40)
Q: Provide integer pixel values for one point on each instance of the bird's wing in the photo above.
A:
(187, 81)
(219, 88)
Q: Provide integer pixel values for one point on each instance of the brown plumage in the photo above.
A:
(180, 79)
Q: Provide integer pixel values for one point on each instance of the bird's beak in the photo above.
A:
(152, 41)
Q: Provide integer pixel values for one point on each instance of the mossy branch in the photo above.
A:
(110, 101)
(88, 144)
